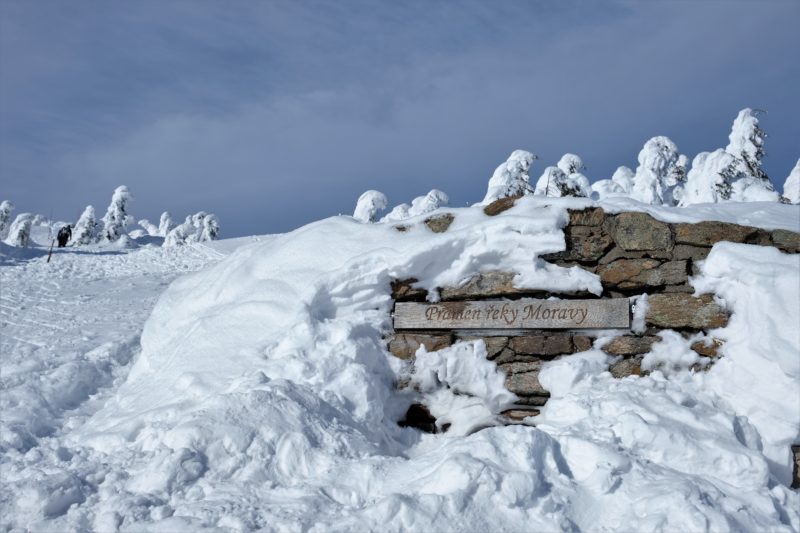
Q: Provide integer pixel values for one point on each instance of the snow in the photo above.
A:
(369, 204)
(511, 178)
(658, 173)
(244, 385)
(791, 187)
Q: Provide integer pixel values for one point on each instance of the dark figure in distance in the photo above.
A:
(64, 235)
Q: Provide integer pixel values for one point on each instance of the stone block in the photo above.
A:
(585, 243)
(402, 290)
(620, 253)
(522, 378)
(796, 467)
(537, 400)
(630, 345)
(627, 367)
(484, 285)
(711, 232)
(629, 274)
(542, 345)
(500, 205)
(639, 231)
(494, 345)
(405, 345)
(788, 241)
(684, 311)
(582, 343)
(591, 216)
(707, 348)
(687, 251)
(440, 223)
(518, 415)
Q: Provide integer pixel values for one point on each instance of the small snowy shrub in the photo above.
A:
(400, 212)
(621, 183)
(428, 203)
(85, 231)
(148, 227)
(165, 224)
(368, 206)
(791, 187)
(661, 169)
(116, 218)
(20, 232)
(511, 178)
(199, 227)
(5, 215)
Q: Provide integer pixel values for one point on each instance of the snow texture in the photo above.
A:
(6, 208)
(791, 188)
(200, 227)
(660, 171)
(369, 205)
(511, 178)
(422, 205)
(19, 233)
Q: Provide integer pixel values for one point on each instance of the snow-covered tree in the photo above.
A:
(148, 227)
(746, 144)
(570, 164)
(165, 224)
(199, 227)
(659, 172)
(430, 202)
(791, 187)
(554, 182)
(511, 178)
(399, 212)
(368, 206)
(6, 208)
(85, 230)
(116, 218)
(621, 183)
(20, 232)
(623, 178)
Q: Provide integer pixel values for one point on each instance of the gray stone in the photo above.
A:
(494, 345)
(485, 285)
(796, 469)
(630, 345)
(687, 251)
(518, 415)
(440, 223)
(684, 311)
(541, 345)
(681, 287)
(405, 345)
(591, 216)
(582, 343)
(627, 367)
(788, 241)
(639, 231)
(585, 243)
(620, 253)
(522, 378)
(402, 290)
(536, 400)
(629, 274)
(500, 205)
(711, 232)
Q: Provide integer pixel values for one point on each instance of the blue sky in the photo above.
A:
(274, 114)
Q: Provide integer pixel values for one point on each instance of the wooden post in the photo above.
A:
(51, 250)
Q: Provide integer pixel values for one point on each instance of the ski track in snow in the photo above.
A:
(68, 330)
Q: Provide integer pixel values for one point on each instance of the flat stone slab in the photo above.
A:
(527, 313)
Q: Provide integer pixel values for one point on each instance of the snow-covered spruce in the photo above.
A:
(200, 227)
(398, 212)
(511, 178)
(165, 224)
(369, 205)
(6, 208)
(621, 183)
(557, 182)
(116, 219)
(85, 231)
(660, 172)
(20, 232)
(432, 201)
(148, 227)
(791, 187)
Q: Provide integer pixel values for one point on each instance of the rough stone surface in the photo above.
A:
(684, 311)
(640, 273)
(541, 345)
(796, 469)
(440, 223)
(630, 345)
(585, 243)
(618, 253)
(639, 231)
(536, 400)
(582, 343)
(405, 345)
(687, 251)
(402, 290)
(500, 205)
(626, 367)
(707, 348)
(591, 216)
(788, 241)
(485, 285)
(518, 415)
(522, 378)
(710, 232)
(494, 345)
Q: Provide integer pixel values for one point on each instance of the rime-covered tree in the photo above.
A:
(659, 170)
(116, 218)
(148, 227)
(165, 224)
(555, 182)
(621, 183)
(791, 187)
(199, 227)
(511, 178)
(430, 202)
(6, 208)
(399, 212)
(570, 164)
(369, 205)
(20, 232)
(85, 231)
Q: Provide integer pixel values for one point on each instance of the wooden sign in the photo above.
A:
(518, 314)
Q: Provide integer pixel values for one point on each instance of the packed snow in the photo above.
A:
(244, 384)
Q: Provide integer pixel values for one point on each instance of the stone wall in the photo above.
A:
(632, 253)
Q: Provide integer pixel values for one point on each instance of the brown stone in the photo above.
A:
(620, 253)
(711, 232)
(522, 378)
(591, 216)
(682, 287)
(500, 205)
(585, 243)
(582, 343)
(485, 285)
(494, 345)
(518, 415)
(405, 345)
(542, 345)
(630, 345)
(707, 348)
(678, 311)
(796, 469)
(401, 228)
(440, 223)
(627, 367)
(788, 241)
(639, 231)
(639, 273)
(536, 400)
(402, 290)
(418, 416)
(687, 251)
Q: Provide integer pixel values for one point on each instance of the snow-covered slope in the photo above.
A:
(263, 397)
